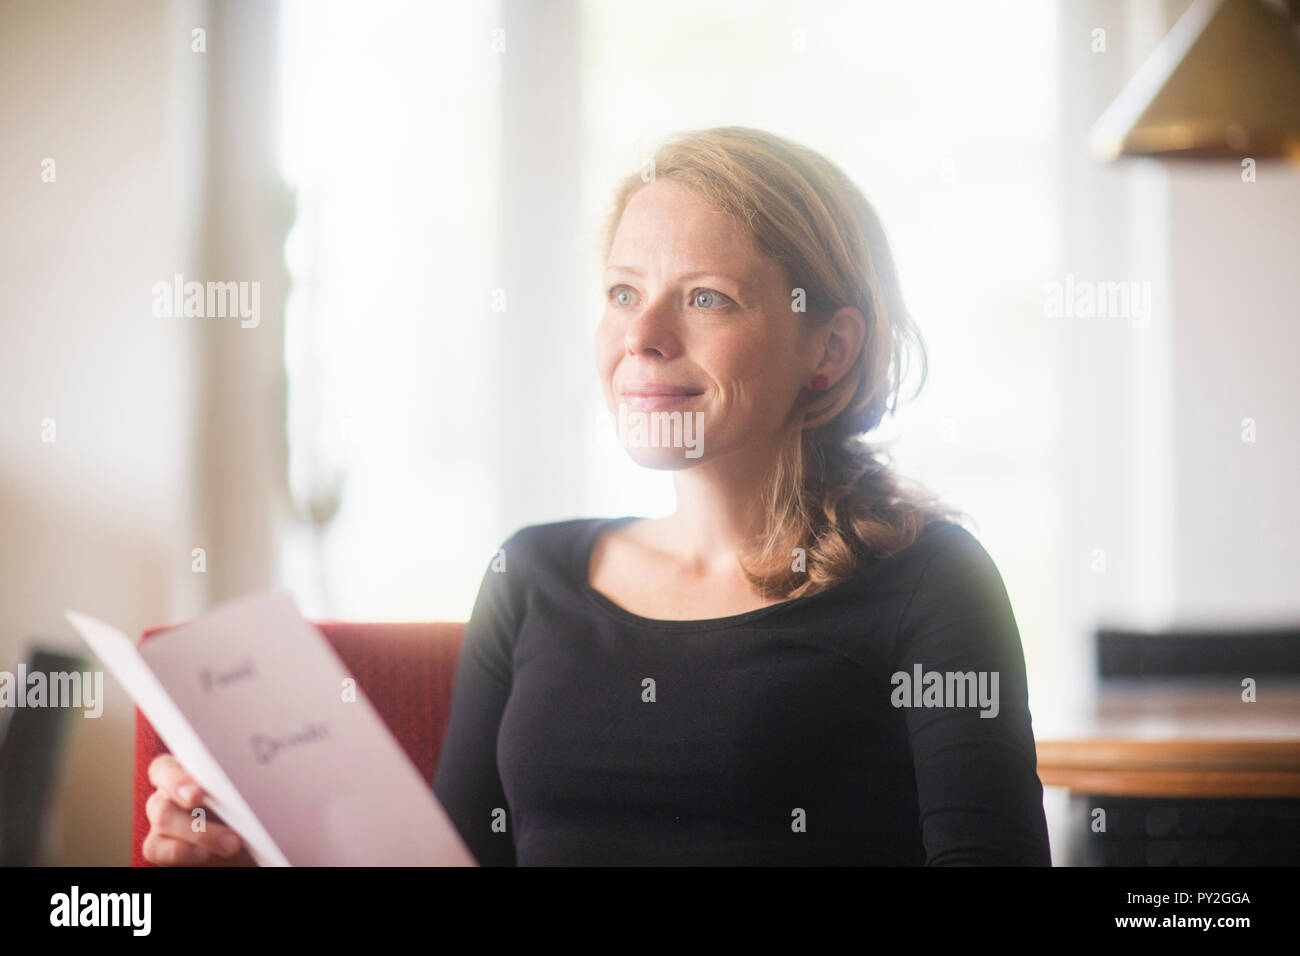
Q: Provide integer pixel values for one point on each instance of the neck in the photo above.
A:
(720, 512)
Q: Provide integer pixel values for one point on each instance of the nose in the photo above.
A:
(652, 331)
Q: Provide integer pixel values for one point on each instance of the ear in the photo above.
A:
(841, 341)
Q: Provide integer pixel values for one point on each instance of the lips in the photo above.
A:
(657, 395)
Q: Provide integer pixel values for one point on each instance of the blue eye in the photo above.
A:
(701, 299)
(621, 294)
(713, 299)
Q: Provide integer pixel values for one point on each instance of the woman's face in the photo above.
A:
(696, 322)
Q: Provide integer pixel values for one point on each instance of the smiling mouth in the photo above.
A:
(651, 397)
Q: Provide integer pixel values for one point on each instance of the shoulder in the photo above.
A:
(957, 591)
(553, 532)
(555, 547)
(537, 557)
(941, 551)
(945, 552)
(552, 540)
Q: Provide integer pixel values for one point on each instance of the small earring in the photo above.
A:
(818, 384)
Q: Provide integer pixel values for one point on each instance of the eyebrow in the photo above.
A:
(684, 278)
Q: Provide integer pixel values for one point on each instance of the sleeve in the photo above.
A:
(467, 782)
(978, 792)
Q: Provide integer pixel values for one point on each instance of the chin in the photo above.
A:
(666, 439)
(664, 459)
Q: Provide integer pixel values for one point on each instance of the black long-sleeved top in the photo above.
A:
(581, 733)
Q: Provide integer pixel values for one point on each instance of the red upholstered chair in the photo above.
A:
(407, 671)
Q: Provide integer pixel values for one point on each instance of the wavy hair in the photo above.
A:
(832, 498)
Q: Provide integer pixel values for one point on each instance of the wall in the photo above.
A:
(1234, 249)
(102, 518)
(1198, 525)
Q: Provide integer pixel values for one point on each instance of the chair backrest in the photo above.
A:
(406, 670)
(32, 745)
(1198, 652)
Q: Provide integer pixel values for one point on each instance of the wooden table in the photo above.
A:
(1121, 767)
(1183, 739)
(1144, 744)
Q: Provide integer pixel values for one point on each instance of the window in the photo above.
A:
(394, 119)
(390, 129)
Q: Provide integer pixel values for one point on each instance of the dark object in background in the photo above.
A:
(1189, 653)
(31, 748)
(1180, 673)
(1159, 831)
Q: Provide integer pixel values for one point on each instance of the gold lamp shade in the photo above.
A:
(1224, 84)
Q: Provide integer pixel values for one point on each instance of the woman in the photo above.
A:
(809, 662)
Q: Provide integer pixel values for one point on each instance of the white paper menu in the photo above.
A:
(257, 706)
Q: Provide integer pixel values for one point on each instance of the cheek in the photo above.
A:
(753, 374)
(608, 347)
(761, 388)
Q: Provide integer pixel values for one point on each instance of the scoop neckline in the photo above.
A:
(609, 606)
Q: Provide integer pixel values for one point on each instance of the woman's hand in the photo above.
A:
(172, 841)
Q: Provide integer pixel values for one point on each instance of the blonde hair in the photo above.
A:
(830, 492)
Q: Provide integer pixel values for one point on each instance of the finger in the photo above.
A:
(242, 858)
(164, 851)
(167, 774)
(169, 820)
